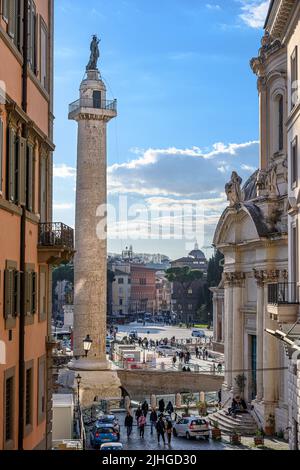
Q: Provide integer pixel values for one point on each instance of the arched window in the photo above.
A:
(280, 123)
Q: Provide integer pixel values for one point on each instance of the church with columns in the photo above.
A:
(260, 281)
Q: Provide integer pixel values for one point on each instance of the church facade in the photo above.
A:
(256, 232)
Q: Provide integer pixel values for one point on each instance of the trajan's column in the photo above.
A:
(92, 112)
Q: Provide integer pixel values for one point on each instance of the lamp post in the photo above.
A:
(87, 343)
(78, 380)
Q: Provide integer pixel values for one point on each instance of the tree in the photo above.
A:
(214, 276)
(185, 277)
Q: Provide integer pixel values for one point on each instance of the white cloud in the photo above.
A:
(248, 168)
(64, 171)
(61, 206)
(211, 6)
(254, 12)
(182, 173)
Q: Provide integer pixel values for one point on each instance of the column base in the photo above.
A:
(89, 364)
(99, 385)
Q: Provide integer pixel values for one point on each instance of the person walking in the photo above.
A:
(220, 368)
(206, 354)
(145, 408)
(197, 352)
(170, 408)
(142, 424)
(174, 360)
(160, 429)
(138, 413)
(153, 419)
(128, 423)
(169, 430)
(161, 405)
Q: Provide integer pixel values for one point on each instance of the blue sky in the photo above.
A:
(187, 107)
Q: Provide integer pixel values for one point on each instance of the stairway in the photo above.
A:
(244, 423)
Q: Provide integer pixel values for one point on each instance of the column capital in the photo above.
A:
(234, 279)
(259, 277)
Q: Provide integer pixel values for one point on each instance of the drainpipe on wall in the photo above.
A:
(23, 249)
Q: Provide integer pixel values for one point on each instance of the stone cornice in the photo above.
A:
(277, 21)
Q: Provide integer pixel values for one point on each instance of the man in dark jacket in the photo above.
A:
(128, 423)
(160, 429)
(161, 405)
(153, 420)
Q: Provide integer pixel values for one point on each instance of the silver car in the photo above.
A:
(191, 427)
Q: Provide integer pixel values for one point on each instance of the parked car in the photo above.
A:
(102, 433)
(198, 334)
(191, 427)
(111, 446)
(112, 420)
(166, 350)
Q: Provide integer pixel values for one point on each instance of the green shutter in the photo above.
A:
(21, 171)
(27, 293)
(19, 25)
(29, 178)
(33, 292)
(1, 152)
(17, 292)
(12, 18)
(8, 292)
(5, 9)
(11, 163)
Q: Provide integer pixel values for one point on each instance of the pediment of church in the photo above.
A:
(243, 223)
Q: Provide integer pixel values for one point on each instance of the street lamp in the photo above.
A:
(78, 380)
(87, 343)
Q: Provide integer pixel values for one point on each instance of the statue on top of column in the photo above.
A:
(95, 54)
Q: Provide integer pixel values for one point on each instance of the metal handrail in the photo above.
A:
(56, 234)
(110, 105)
(283, 293)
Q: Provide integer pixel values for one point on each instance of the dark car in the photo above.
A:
(112, 420)
(101, 434)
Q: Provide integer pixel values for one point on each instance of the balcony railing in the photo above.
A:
(283, 293)
(56, 234)
(110, 105)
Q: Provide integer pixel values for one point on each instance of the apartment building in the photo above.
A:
(30, 243)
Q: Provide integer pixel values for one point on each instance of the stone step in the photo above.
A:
(243, 423)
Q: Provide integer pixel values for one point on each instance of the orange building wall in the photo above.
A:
(35, 335)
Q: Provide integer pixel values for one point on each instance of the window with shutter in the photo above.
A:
(17, 293)
(33, 292)
(12, 18)
(8, 292)
(19, 25)
(32, 36)
(21, 172)
(43, 189)
(44, 55)
(29, 178)
(41, 389)
(11, 186)
(4, 11)
(1, 152)
(42, 293)
(27, 293)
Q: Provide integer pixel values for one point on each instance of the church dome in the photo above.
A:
(196, 253)
(249, 188)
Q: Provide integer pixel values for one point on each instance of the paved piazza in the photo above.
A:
(158, 332)
(150, 442)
